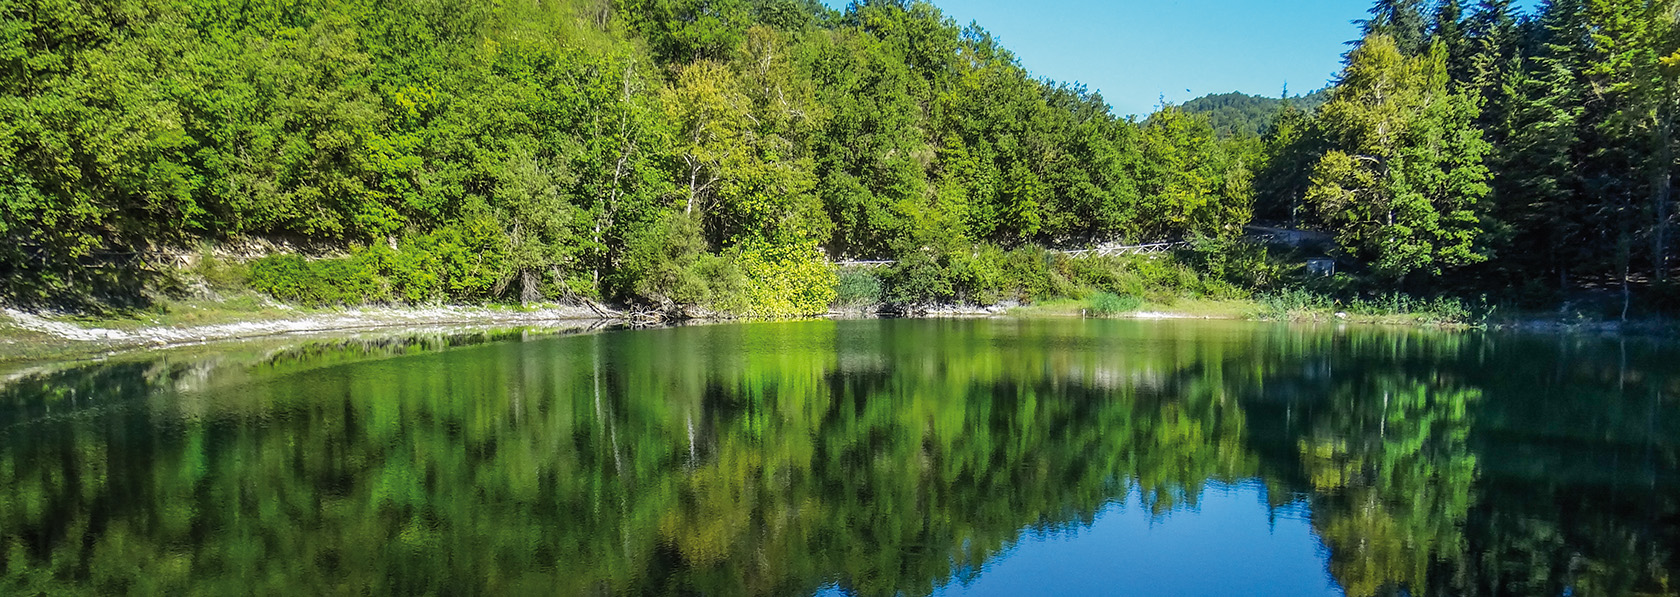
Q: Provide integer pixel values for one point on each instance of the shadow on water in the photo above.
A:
(875, 457)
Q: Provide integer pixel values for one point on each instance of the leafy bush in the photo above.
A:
(1228, 263)
(346, 280)
(1033, 273)
(918, 278)
(663, 263)
(667, 265)
(462, 263)
(785, 280)
(1107, 304)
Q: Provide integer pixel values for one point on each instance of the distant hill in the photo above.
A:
(1240, 113)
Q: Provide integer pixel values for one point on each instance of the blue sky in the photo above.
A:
(1137, 51)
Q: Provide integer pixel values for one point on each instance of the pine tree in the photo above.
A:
(1665, 93)
(1400, 20)
(1541, 188)
(1448, 30)
(1491, 58)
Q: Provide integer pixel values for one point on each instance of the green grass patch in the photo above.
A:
(1108, 304)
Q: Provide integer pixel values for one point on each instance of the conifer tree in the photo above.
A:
(1447, 29)
(1402, 21)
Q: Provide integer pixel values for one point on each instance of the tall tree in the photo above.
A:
(1403, 181)
(1403, 21)
(1448, 29)
(1292, 148)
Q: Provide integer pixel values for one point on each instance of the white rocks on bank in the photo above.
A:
(343, 320)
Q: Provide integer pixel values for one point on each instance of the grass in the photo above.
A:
(1108, 304)
(21, 345)
(241, 307)
(1186, 307)
(1393, 308)
(1295, 308)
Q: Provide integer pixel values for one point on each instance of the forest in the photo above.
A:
(727, 153)
(1238, 113)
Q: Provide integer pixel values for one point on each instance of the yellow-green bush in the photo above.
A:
(786, 280)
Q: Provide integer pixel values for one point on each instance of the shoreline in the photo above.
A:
(29, 338)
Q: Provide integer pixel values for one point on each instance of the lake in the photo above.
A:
(872, 457)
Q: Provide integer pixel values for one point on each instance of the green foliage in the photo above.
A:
(221, 274)
(1241, 115)
(1234, 262)
(785, 280)
(1105, 304)
(455, 263)
(345, 280)
(1301, 302)
(1403, 181)
(686, 30)
(858, 288)
(536, 144)
(975, 274)
(1198, 185)
(667, 266)
(537, 151)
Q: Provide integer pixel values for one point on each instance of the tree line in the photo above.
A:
(724, 152)
(1482, 147)
(686, 151)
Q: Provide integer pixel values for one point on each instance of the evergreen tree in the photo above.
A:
(1402, 21)
(1540, 188)
(1448, 29)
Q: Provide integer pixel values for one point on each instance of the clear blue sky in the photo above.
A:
(1137, 51)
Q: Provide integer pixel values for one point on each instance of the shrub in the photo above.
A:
(785, 280)
(344, 280)
(1229, 264)
(664, 265)
(918, 278)
(449, 263)
(978, 275)
(1032, 273)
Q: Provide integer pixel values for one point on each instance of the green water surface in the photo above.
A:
(879, 457)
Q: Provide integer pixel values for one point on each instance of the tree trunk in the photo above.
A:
(529, 290)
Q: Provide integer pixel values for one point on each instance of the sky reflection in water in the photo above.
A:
(1237, 544)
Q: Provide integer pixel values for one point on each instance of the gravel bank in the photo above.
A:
(353, 319)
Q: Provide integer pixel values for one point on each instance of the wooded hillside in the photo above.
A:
(723, 152)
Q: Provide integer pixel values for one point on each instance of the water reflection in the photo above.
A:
(1238, 546)
(866, 458)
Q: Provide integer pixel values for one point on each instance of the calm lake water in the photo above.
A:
(994, 457)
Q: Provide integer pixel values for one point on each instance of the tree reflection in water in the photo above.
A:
(884, 457)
